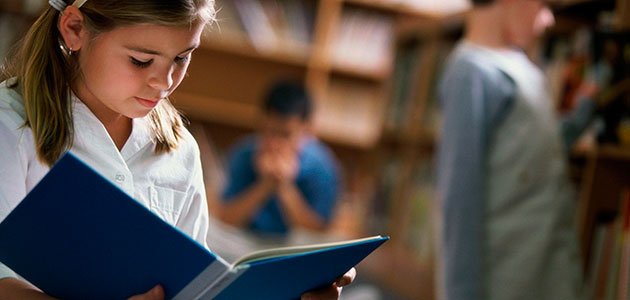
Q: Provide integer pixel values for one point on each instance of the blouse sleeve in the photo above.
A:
(195, 219)
(12, 180)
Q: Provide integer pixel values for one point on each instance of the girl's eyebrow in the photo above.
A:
(154, 52)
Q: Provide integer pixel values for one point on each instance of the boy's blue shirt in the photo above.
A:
(317, 180)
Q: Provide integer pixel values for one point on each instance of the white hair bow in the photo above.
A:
(61, 5)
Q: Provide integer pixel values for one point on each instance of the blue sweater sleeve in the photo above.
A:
(473, 101)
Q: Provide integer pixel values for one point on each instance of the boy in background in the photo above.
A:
(283, 177)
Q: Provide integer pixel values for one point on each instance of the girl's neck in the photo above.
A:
(119, 130)
(118, 126)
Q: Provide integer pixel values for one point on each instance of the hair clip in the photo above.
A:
(61, 5)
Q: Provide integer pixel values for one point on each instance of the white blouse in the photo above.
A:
(169, 184)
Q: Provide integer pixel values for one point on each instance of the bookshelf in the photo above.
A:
(384, 152)
(342, 49)
(600, 166)
(606, 176)
(346, 52)
(603, 171)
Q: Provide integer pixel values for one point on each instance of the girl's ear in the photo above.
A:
(71, 28)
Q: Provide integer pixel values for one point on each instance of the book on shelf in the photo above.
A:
(76, 235)
(350, 113)
(364, 41)
(420, 227)
(257, 24)
(273, 25)
(406, 73)
(623, 290)
(609, 269)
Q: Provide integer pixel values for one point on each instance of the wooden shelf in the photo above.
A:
(606, 174)
(377, 75)
(425, 139)
(245, 115)
(239, 45)
(613, 152)
(610, 152)
(216, 110)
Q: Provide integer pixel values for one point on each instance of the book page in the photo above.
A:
(285, 251)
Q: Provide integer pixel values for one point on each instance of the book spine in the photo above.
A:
(221, 283)
(204, 281)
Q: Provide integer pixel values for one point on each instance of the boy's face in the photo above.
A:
(526, 20)
(278, 131)
(128, 70)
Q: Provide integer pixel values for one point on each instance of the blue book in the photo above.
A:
(78, 236)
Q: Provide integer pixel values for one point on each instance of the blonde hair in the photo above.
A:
(44, 74)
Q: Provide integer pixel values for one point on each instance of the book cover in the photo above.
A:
(78, 236)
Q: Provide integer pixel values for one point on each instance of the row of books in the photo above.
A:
(609, 268)
(268, 24)
(350, 112)
(590, 63)
(402, 201)
(364, 41)
(413, 107)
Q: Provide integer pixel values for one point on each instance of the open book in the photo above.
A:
(78, 236)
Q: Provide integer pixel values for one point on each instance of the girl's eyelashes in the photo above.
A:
(143, 64)
(182, 59)
(139, 63)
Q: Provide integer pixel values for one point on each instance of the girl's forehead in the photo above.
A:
(152, 34)
(148, 29)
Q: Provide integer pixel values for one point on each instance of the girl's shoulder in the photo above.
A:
(188, 147)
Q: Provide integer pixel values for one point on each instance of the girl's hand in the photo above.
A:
(156, 293)
(333, 291)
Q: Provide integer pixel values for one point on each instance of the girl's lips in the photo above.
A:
(148, 103)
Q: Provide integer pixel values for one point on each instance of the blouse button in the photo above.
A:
(120, 177)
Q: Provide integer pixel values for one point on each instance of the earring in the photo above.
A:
(67, 51)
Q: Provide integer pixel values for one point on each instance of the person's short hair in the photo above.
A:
(288, 99)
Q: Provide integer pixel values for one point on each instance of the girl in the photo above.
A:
(94, 77)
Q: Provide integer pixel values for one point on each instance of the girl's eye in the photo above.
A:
(141, 64)
(181, 60)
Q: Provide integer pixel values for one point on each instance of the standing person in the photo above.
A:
(282, 177)
(507, 206)
(94, 77)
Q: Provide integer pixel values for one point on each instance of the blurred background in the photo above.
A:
(372, 66)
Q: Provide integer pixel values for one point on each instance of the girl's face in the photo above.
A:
(128, 70)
